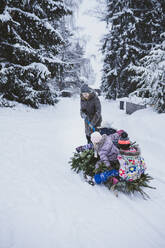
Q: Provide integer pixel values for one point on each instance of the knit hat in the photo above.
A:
(85, 89)
(96, 137)
(124, 142)
(106, 128)
(120, 131)
(106, 124)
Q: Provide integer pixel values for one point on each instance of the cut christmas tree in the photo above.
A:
(85, 162)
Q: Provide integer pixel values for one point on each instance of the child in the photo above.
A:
(106, 128)
(105, 148)
(132, 165)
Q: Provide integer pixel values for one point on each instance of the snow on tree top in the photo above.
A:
(52, 60)
(33, 16)
(47, 25)
(40, 67)
(5, 17)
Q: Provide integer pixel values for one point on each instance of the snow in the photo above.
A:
(24, 48)
(134, 99)
(43, 70)
(29, 15)
(48, 26)
(44, 204)
(5, 17)
(52, 60)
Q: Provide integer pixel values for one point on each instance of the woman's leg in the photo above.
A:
(88, 139)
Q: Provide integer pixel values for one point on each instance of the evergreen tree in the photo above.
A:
(134, 26)
(150, 77)
(74, 56)
(84, 163)
(77, 66)
(30, 43)
(72, 52)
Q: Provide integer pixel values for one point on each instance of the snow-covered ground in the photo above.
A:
(43, 204)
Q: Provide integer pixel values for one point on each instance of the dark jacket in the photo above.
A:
(92, 108)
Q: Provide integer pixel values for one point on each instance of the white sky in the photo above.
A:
(92, 30)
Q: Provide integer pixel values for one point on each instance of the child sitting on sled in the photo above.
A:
(106, 128)
(132, 165)
(106, 150)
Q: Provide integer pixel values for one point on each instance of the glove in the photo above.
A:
(84, 116)
(90, 125)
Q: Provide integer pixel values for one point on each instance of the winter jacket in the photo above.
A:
(132, 165)
(108, 131)
(92, 108)
(114, 137)
(111, 133)
(106, 150)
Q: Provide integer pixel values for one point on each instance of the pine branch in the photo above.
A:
(85, 162)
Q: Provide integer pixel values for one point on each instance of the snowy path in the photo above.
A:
(44, 204)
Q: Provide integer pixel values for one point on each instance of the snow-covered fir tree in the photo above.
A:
(150, 77)
(30, 44)
(72, 53)
(77, 67)
(73, 56)
(80, 68)
(133, 27)
(71, 19)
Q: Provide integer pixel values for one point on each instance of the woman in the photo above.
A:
(90, 110)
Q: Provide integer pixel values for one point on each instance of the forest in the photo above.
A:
(41, 54)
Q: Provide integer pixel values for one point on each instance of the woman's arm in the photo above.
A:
(97, 114)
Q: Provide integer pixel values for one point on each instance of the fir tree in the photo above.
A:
(134, 26)
(150, 77)
(84, 162)
(74, 56)
(30, 42)
(72, 52)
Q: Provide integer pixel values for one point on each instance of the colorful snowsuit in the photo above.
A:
(132, 165)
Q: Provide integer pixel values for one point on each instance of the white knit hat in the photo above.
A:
(106, 124)
(96, 137)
